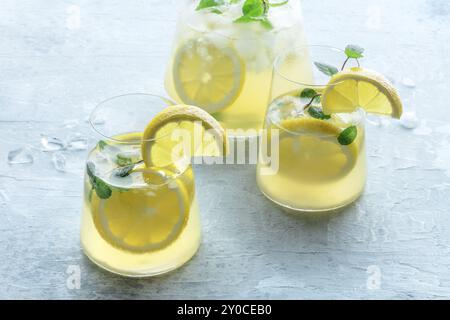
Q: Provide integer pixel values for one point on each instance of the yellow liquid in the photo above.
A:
(250, 46)
(148, 226)
(313, 173)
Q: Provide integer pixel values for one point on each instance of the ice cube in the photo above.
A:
(4, 198)
(97, 121)
(409, 120)
(374, 121)
(50, 144)
(408, 82)
(59, 161)
(70, 124)
(20, 156)
(77, 143)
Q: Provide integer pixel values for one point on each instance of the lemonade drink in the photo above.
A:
(315, 172)
(315, 127)
(140, 213)
(149, 223)
(225, 66)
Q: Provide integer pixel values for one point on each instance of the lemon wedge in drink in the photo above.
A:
(361, 88)
(208, 76)
(143, 220)
(311, 152)
(166, 136)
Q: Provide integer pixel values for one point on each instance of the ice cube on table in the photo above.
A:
(77, 143)
(20, 156)
(4, 198)
(51, 144)
(408, 82)
(71, 124)
(409, 120)
(59, 161)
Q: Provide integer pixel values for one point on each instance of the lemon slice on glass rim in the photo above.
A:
(207, 75)
(356, 88)
(164, 139)
(147, 219)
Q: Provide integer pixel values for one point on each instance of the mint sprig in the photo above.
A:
(122, 160)
(123, 172)
(278, 4)
(326, 68)
(205, 4)
(317, 113)
(101, 188)
(353, 51)
(348, 136)
(308, 93)
(102, 145)
(257, 11)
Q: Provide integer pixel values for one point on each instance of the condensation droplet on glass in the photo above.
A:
(20, 156)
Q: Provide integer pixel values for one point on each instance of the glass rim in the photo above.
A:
(231, 38)
(360, 121)
(280, 57)
(110, 138)
(192, 27)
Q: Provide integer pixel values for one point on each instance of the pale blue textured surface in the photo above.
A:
(52, 70)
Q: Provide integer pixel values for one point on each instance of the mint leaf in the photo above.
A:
(317, 113)
(327, 69)
(124, 171)
(204, 4)
(308, 93)
(348, 136)
(102, 145)
(266, 23)
(244, 19)
(102, 190)
(90, 194)
(354, 52)
(122, 160)
(278, 4)
(90, 169)
(254, 8)
(255, 11)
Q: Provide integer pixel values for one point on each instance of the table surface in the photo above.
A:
(393, 243)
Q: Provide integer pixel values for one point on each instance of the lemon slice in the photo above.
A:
(146, 219)
(310, 151)
(164, 139)
(208, 76)
(359, 88)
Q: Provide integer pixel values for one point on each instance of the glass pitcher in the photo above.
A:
(223, 54)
